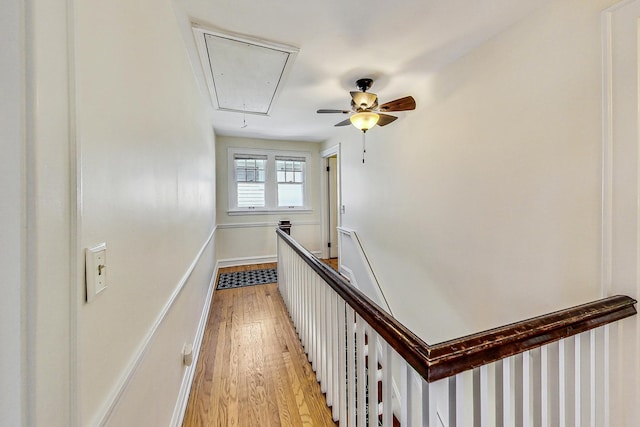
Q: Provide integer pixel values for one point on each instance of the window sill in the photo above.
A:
(269, 212)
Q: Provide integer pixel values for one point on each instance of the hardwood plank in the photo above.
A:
(252, 370)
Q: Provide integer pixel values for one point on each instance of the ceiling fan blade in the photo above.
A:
(333, 111)
(344, 123)
(401, 104)
(385, 119)
(364, 99)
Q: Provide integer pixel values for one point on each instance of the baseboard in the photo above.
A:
(187, 380)
(234, 262)
(348, 273)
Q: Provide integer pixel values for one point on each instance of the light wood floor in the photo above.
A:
(332, 262)
(252, 370)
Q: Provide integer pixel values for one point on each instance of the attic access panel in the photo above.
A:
(243, 74)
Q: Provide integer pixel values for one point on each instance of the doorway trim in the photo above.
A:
(324, 196)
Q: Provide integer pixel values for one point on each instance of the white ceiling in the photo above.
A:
(398, 44)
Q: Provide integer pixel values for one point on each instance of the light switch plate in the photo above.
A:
(96, 270)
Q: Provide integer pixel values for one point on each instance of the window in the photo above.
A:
(250, 179)
(263, 181)
(290, 176)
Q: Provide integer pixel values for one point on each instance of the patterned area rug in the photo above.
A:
(247, 278)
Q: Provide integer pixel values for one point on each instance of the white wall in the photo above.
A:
(12, 211)
(252, 238)
(118, 148)
(146, 160)
(484, 204)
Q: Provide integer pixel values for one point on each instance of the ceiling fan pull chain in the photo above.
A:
(364, 148)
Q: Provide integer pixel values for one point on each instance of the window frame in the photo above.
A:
(271, 181)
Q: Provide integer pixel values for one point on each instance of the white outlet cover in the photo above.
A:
(96, 270)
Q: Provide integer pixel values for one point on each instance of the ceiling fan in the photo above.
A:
(366, 113)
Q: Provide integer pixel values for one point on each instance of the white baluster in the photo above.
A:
(583, 392)
(351, 367)
(577, 377)
(373, 377)
(306, 301)
(313, 300)
(299, 306)
(561, 385)
(296, 286)
(328, 343)
(308, 298)
(321, 332)
(319, 283)
(361, 372)
(316, 323)
(526, 390)
(326, 338)
(433, 404)
(517, 379)
(598, 374)
(337, 336)
(342, 361)
(565, 413)
(465, 399)
(536, 370)
(303, 304)
(425, 398)
(606, 392)
(453, 401)
(554, 381)
(508, 412)
(405, 393)
(593, 373)
(387, 383)
(303, 307)
(485, 399)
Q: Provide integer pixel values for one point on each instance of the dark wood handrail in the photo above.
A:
(435, 362)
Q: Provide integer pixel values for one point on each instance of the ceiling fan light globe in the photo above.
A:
(364, 120)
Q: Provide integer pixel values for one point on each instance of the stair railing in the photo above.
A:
(551, 370)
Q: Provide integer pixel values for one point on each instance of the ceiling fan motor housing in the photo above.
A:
(364, 84)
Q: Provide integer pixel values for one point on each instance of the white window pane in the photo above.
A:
(250, 195)
(250, 170)
(281, 176)
(290, 195)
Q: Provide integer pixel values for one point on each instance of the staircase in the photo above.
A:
(551, 370)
